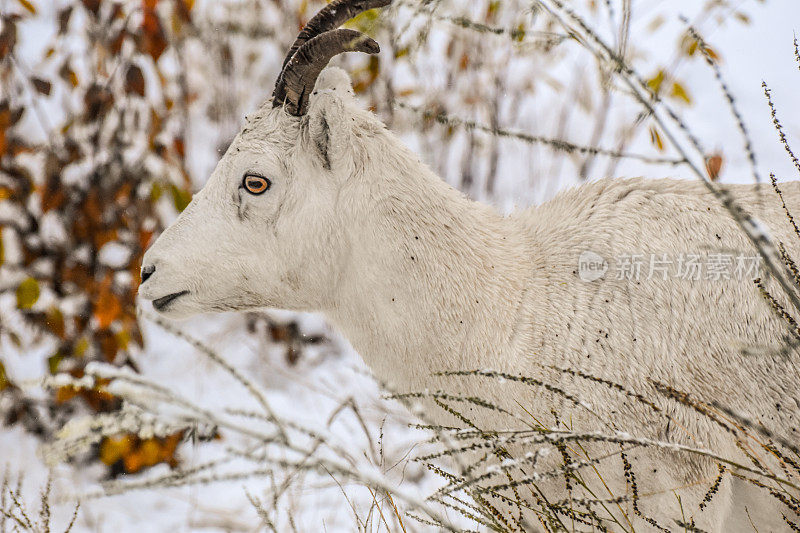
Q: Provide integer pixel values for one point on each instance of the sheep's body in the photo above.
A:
(692, 335)
(441, 283)
(422, 280)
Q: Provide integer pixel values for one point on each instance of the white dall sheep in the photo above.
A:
(317, 207)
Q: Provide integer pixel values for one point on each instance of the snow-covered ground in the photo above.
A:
(331, 373)
(306, 394)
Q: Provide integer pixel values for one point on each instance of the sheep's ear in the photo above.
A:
(320, 136)
(326, 113)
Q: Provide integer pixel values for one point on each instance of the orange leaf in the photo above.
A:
(679, 91)
(689, 44)
(153, 40)
(118, 41)
(107, 308)
(169, 446)
(657, 81)
(27, 5)
(99, 399)
(144, 237)
(91, 207)
(5, 123)
(67, 74)
(150, 451)
(123, 194)
(102, 237)
(180, 147)
(52, 198)
(712, 53)
(66, 393)
(464, 62)
(714, 166)
(78, 274)
(133, 462)
(4, 381)
(655, 138)
(108, 344)
(112, 449)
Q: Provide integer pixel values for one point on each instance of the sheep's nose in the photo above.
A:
(147, 271)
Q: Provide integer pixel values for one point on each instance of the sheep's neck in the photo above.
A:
(434, 283)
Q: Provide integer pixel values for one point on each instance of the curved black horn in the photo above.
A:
(298, 78)
(329, 18)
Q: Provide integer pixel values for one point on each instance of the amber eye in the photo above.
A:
(255, 184)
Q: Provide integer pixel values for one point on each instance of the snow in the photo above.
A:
(52, 230)
(114, 254)
(309, 393)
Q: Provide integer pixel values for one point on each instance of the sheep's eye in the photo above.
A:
(255, 184)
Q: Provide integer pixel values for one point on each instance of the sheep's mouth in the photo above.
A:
(162, 303)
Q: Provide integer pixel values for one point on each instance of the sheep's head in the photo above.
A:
(265, 229)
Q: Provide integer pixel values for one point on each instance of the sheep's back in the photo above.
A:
(715, 338)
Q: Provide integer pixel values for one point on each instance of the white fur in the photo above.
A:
(421, 279)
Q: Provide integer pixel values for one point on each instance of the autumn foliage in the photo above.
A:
(87, 152)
